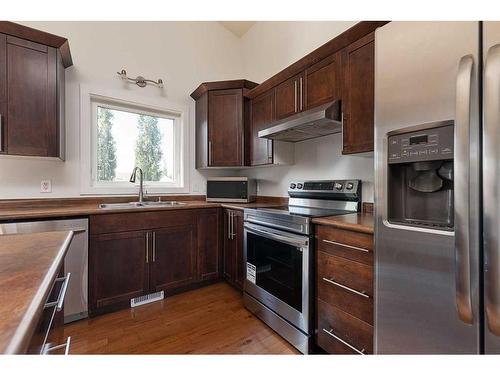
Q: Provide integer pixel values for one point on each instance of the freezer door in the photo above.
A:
(491, 185)
(427, 280)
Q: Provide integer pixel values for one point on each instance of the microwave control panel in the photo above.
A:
(425, 145)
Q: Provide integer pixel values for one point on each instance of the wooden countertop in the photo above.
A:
(359, 222)
(28, 267)
(84, 209)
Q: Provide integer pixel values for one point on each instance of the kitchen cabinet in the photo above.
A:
(135, 254)
(32, 74)
(209, 249)
(118, 269)
(344, 285)
(262, 114)
(220, 123)
(322, 82)
(289, 97)
(234, 268)
(358, 95)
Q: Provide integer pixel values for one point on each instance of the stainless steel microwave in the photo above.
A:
(231, 189)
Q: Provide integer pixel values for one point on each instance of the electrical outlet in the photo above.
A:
(46, 186)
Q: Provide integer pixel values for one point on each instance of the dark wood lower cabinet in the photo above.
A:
(118, 270)
(177, 251)
(234, 268)
(173, 258)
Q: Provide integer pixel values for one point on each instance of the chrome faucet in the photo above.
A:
(132, 179)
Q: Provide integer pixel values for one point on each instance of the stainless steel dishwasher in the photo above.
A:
(76, 261)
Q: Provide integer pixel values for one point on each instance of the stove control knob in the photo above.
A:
(299, 186)
(338, 186)
(292, 186)
(349, 186)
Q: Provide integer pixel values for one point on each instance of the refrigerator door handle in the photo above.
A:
(461, 187)
(491, 164)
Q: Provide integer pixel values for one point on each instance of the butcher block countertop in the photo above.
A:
(359, 222)
(28, 267)
(40, 208)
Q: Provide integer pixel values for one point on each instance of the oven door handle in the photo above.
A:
(278, 237)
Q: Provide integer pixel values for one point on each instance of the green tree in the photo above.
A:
(148, 151)
(106, 146)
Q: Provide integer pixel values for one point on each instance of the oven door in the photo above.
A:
(277, 272)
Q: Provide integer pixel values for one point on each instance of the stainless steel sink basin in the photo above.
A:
(128, 205)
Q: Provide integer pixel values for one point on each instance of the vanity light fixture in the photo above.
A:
(140, 80)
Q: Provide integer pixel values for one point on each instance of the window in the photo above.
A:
(125, 135)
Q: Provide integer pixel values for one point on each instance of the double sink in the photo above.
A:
(128, 205)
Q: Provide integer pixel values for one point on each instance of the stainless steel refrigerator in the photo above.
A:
(437, 188)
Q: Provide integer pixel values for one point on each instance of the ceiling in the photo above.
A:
(238, 28)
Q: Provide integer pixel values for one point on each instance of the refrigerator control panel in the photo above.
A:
(423, 145)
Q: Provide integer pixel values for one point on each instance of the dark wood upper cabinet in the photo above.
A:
(322, 82)
(220, 123)
(289, 97)
(118, 270)
(261, 115)
(173, 257)
(32, 76)
(225, 131)
(358, 95)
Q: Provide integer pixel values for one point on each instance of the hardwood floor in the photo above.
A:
(211, 320)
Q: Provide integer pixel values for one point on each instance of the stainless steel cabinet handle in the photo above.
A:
(330, 332)
(491, 187)
(362, 294)
(461, 186)
(229, 225)
(154, 247)
(209, 153)
(345, 245)
(342, 128)
(1, 132)
(147, 247)
(233, 231)
(295, 91)
(59, 303)
(300, 94)
(47, 349)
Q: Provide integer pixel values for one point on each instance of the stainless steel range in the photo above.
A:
(278, 253)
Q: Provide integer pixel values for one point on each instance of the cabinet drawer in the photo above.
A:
(136, 221)
(346, 285)
(342, 333)
(354, 275)
(347, 244)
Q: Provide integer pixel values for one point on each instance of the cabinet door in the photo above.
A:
(288, 97)
(239, 267)
(173, 258)
(208, 245)
(32, 98)
(322, 83)
(225, 128)
(262, 114)
(229, 248)
(358, 95)
(118, 270)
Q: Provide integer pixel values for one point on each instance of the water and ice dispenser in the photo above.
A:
(420, 177)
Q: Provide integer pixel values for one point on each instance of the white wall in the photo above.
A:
(269, 47)
(184, 54)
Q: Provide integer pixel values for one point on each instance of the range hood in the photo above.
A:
(313, 123)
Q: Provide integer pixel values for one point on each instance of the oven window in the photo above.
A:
(278, 268)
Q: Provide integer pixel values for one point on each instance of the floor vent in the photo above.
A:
(148, 298)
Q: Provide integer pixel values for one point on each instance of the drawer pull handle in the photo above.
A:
(47, 349)
(345, 245)
(362, 294)
(62, 293)
(330, 332)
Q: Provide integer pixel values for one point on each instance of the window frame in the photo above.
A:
(88, 148)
